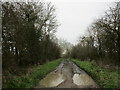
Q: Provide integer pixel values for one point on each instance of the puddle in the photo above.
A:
(62, 77)
(82, 79)
(52, 80)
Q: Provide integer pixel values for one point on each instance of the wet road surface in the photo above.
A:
(67, 75)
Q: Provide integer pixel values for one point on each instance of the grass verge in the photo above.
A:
(37, 73)
(105, 78)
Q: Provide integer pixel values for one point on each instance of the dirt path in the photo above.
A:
(67, 75)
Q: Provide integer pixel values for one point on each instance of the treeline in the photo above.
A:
(103, 39)
(28, 34)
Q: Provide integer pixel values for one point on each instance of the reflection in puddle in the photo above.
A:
(82, 79)
(52, 80)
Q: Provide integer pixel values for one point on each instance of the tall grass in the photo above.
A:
(37, 73)
(105, 78)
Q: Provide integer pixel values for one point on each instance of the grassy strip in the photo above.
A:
(104, 77)
(38, 72)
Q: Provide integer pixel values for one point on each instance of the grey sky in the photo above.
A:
(75, 16)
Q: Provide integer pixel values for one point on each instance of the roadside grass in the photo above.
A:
(37, 73)
(105, 78)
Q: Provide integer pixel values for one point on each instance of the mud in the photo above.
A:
(67, 75)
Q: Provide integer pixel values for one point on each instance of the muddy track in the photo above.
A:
(67, 75)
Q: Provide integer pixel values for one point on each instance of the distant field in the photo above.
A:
(37, 73)
(105, 78)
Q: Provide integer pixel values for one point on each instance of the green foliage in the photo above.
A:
(104, 77)
(37, 73)
(102, 39)
(28, 30)
(27, 35)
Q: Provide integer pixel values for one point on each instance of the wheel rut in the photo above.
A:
(67, 75)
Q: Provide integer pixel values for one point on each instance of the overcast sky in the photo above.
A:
(76, 15)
